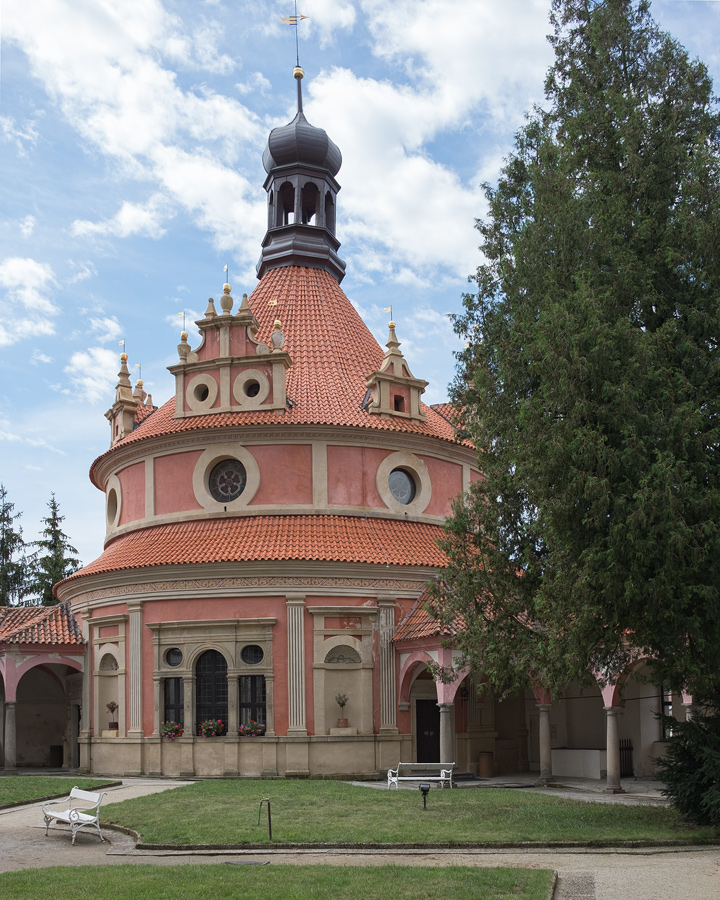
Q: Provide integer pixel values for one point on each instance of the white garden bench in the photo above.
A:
(407, 771)
(78, 810)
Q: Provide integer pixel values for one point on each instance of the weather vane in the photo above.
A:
(226, 272)
(183, 318)
(122, 344)
(294, 20)
(138, 366)
(388, 309)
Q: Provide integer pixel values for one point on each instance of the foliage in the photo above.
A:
(341, 700)
(171, 730)
(591, 378)
(52, 561)
(252, 729)
(211, 728)
(16, 789)
(225, 812)
(14, 585)
(127, 882)
(111, 707)
(690, 768)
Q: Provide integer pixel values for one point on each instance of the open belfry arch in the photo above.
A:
(270, 532)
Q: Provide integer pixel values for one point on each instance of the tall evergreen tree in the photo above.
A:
(14, 584)
(591, 378)
(52, 561)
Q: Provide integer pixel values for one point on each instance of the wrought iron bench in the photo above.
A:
(407, 771)
(78, 810)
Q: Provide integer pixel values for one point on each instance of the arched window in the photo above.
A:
(211, 688)
(342, 654)
(309, 203)
(286, 204)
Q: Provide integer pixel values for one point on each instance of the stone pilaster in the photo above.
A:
(10, 739)
(296, 664)
(388, 678)
(134, 669)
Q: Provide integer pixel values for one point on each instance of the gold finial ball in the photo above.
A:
(183, 335)
(226, 288)
(123, 357)
(139, 382)
(391, 324)
(278, 323)
(298, 72)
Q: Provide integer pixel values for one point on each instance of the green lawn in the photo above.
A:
(226, 813)
(228, 882)
(28, 788)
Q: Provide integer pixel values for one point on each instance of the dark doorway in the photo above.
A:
(427, 723)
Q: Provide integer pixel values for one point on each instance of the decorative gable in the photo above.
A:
(231, 370)
(392, 389)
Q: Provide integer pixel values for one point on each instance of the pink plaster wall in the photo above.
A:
(285, 474)
(240, 345)
(132, 484)
(475, 476)
(446, 483)
(173, 482)
(351, 476)
(210, 346)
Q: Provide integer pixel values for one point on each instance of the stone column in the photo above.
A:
(388, 679)
(544, 741)
(134, 669)
(613, 752)
(270, 704)
(296, 664)
(10, 739)
(447, 753)
(689, 711)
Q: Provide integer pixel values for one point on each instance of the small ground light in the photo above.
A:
(425, 790)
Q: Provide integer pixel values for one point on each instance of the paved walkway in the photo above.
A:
(608, 874)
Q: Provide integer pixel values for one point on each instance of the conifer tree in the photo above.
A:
(52, 562)
(591, 378)
(14, 584)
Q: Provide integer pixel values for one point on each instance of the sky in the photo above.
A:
(131, 137)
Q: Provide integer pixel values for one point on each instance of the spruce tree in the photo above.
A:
(14, 583)
(52, 562)
(590, 382)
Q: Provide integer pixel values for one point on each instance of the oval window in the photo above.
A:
(227, 480)
(252, 654)
(174, 657)
(402, 486)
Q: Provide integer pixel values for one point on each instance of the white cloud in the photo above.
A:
(106, 329)
(27, 226)
(26, 307)
(325, 17)
(85, 271)
(93, 372)
(39, 357)
(257, 83)
(20, 135)
(131, 219)
(11, 435)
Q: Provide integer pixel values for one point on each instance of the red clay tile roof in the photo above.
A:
(419, 623)
(325, 538)
(142, 412)
(39, 625)
(332, 354)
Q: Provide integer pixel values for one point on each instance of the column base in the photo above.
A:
(544, 781)
(613, 790)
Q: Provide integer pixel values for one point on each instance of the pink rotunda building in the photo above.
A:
(270, 526)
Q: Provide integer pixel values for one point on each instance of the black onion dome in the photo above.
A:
(301, 143)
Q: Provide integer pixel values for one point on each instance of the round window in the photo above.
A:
(174, 657)
(252, 654)
(402, 486)
(227, 480)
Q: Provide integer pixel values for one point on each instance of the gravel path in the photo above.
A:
(647, 874)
